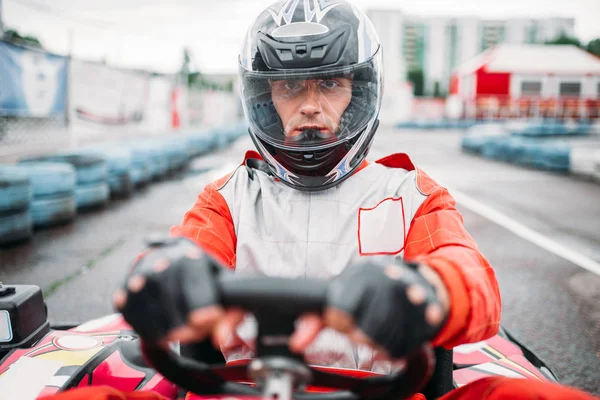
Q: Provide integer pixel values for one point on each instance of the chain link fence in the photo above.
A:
(50, 103)
(21, 136)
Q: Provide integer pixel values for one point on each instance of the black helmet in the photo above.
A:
(311, 84)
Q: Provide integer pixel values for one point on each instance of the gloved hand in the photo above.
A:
(171, 294)
(381, 302)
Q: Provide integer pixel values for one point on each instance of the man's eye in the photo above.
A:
(330, 84)
(292, 85)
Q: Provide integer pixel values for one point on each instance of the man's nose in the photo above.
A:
(312, 101)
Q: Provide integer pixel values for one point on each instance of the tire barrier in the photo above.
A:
(142, 167)
(550, 154)
(121, 185)
(200, 142)
(553, 157)
(49, 178)
(176, 152)
(89, 168)
(15, 227)
(15, 190)
(494, 148)
(438, 124)
(550, 128)
(512, 149)
(119, 162)
(150, 162)
(92, 195)
(473, 143)
(51, 211)
(48, 190)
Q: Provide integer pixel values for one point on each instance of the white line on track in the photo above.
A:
(526, 233)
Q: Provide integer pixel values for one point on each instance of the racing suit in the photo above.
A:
(255, 224)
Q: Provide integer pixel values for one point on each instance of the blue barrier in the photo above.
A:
(553, 157)
(15, 227)
(89, 168)
(92, 195)
(438, 124)
(147, 162)
(119, 161)
(200, 142)
(475, 143)
(551, 127)
(542, 154)
(49, 178)
(15, 189)
(51, 211)
(51, 188)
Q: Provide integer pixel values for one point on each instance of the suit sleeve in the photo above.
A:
(438, 238)
(210, 225)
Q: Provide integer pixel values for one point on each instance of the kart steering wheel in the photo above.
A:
(276, 304)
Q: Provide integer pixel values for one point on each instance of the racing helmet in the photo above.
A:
(311, 86)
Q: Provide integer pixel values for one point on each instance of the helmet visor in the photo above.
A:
(311, 109)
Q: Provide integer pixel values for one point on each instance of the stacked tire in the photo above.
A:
(554, 157)
(53, 186)
(92, 190)
(16, 223)
(200, 142)
(146, 164)
(176, 152)
(119, 162)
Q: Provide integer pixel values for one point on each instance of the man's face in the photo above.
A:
(316, 104)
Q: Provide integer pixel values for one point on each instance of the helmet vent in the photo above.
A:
(301, 50)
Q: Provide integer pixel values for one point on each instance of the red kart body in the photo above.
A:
(99, 353)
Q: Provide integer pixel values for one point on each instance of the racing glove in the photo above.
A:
(390, 301)
(177, 277)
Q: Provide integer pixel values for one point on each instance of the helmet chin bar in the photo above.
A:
(293, 178)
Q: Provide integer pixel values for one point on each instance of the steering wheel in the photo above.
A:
(278, 373)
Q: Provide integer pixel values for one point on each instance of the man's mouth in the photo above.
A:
(319, 128)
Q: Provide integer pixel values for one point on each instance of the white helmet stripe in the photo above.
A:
(286, 13)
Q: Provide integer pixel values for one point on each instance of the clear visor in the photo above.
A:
(311, 110)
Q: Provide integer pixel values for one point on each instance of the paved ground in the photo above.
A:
(550, 303)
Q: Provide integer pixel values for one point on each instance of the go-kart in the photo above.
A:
(38, 360)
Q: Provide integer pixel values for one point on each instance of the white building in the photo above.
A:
(436, 45)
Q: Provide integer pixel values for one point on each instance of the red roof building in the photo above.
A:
(529, 80)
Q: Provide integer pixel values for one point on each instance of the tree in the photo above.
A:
(13, 36)
(185, 70)
(417, 78)
(594, 47)
(563, 39)
(437, 91)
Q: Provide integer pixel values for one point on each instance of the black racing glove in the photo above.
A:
(179, 277)
(374, 293)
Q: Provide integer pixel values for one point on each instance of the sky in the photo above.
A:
(151, 34)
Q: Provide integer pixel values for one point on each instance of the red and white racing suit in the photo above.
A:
(254, 223)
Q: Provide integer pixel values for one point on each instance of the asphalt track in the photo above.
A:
(550, 303)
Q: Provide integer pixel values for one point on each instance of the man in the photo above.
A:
(310, 205)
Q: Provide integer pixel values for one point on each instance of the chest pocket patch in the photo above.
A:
(381, 228)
